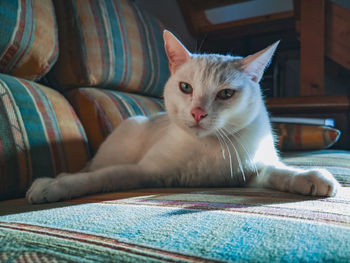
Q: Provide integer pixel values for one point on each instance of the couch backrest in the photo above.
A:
(109, 44)
(28, 38)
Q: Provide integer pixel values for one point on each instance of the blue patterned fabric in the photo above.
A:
(231, 225)
(186, 225)
(115, 45)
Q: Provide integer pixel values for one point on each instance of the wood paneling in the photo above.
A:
(201, 5)
(338, 34)
(337, 37)
(317, 104)
(312, 47)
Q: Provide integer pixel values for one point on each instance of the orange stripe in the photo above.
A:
(35, 62)
(94, 59)
(88, 115)
(72, 139)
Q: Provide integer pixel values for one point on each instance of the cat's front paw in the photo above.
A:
(318, 182)
(45, 190)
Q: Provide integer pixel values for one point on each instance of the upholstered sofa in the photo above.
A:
(70, 71)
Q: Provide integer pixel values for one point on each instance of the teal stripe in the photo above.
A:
(127, 102)
(39, 149)
(315, 245)
(163, 64)
(139, 103)
(10, 161)
(154, 56)
(146, 51)
(52, 123)
(151, 86)
(8, 14)
(119, 34)
(101, 29)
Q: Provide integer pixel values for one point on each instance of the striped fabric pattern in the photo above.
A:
(304, 137)
(181, 225)
(109, 44)
(40, 135)
(335, 161)
(100, 111)
(28, 43)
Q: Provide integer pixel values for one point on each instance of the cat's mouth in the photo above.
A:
(197, 126)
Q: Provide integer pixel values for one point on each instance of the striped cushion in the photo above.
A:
(110, 44)
(304, 137)
(180, 225)
(40, 135)
(28, 42)
(100, 111)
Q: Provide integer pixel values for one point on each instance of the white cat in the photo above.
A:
(216, 133)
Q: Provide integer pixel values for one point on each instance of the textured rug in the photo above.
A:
(244, 225)
(185, 225)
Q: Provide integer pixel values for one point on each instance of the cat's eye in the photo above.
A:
(225, 94)
(185, 88)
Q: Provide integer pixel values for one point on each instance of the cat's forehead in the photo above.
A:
(213, 69)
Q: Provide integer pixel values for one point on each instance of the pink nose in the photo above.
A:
(198, 114)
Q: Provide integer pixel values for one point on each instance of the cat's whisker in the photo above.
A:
(228, 151)
(239, 141)
(237, 154)
(221, 145)
(232, 128)
(235, 133)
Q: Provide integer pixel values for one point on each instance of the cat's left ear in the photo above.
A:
(254, 65)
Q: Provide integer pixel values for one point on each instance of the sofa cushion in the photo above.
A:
(109, 44)
(185, 225)
(40, 135)
(100, 111)
(304, 137)
(28, 42)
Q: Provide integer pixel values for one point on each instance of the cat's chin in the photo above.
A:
(199, 131)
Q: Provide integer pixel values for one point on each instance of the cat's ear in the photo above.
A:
(176, 52)
(254, 65)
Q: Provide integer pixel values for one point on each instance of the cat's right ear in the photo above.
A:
(176, 52)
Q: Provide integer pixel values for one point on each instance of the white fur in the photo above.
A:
(234, 145)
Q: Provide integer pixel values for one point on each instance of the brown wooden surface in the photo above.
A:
(338, 34)
(320, 104)
(312, 47)
(200, 5)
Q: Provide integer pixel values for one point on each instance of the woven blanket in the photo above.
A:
(184, 225)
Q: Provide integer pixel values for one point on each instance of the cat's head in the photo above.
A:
(206, 92)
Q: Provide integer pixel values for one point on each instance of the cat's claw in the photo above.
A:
(318, 182)
(46, 190)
